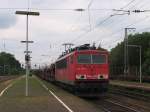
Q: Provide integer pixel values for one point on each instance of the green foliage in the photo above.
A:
(8, 64)
(117, 53)
(146, 65)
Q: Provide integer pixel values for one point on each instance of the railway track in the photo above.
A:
(123, 101)
(114, 106)
(5, 78)
(131, 94)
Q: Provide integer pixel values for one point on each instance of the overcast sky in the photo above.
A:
(59, 23)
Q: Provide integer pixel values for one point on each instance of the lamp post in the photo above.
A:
(138, 46)
(27, 56)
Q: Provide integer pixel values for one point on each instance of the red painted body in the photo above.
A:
(87, 78)
(91, 71)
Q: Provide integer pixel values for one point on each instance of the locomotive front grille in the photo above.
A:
(91, 84)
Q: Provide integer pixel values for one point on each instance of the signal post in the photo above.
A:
(27, 56)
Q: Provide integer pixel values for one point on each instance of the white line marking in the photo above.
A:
(2, 92)
(60, 101)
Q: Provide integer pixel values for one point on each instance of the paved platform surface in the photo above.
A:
(135, 85)
(43, 97)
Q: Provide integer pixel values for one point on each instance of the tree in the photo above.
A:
(117, 53)
(146, 65)
(8, 64)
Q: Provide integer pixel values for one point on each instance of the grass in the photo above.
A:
(5, 84)
(14, 100)
(40, 100)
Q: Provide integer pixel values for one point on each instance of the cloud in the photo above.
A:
(6, 20)
(58, 26)
(59, 4)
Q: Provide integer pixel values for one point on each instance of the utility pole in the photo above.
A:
(126, 60)
(4, 46)
(27, 56)
(140, 64)
(89, 14)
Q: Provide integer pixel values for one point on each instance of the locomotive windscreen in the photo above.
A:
(84, 58)
(91, 59)
(98, 59)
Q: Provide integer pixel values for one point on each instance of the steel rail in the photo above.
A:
(130, 94)
(123, 106)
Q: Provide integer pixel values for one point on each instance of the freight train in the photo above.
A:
(83, 70)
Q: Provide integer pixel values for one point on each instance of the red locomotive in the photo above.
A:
(83, 69)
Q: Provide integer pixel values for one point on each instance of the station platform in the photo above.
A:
(43, 97)
(132, 85)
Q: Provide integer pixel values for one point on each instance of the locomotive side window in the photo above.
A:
(98, 59)
(84, 59)
(61, 64)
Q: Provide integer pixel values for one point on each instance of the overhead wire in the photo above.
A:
(100, 23)
(137, 22)
(65, 9)
(116, 12)
(145, 18)
(141, 21)
(123, 8)
(147, 3)
(121, 16)
(138, 2)
(128, 4)
(88, 8)
(52, 9)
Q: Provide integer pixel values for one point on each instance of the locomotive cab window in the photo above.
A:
(84, 58)
(98, 59)
(91, 59)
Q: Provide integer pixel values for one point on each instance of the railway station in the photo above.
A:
(75, 56)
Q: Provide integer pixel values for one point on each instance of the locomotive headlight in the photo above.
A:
(103, 76)
(80, 76)
(100, 76)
